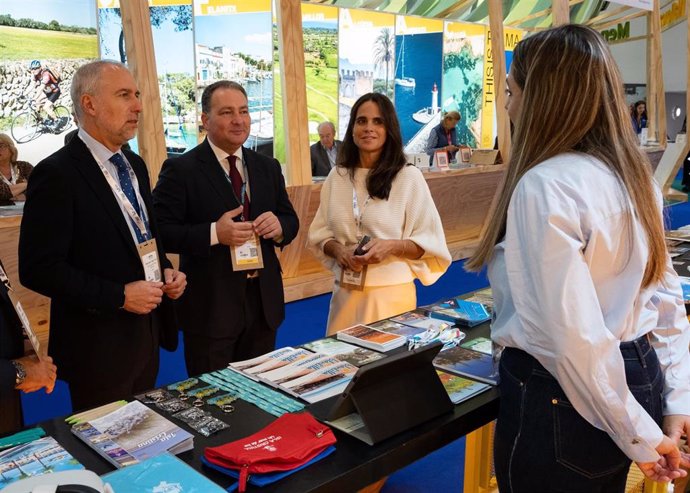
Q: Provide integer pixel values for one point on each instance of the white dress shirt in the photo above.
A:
(566, 282)
(102, 155)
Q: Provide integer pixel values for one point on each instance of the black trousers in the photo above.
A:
(204, 354)
(543, 445)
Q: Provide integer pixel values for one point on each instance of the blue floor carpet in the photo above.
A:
(305, 320)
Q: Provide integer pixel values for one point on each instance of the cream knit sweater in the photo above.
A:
(409, 213)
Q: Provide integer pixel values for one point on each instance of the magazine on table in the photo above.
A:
(131, 434)
(245, 365)
(285, 358)
(397, 328)
(377, 340)
(467, 363)
(298, 369)
(459, 388)
(344, 351)
(481, 344)
(321, 384)
(459, 311)
(418, 318)
(42, 456)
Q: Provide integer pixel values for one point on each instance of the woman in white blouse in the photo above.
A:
(596, 370)
(374, 192)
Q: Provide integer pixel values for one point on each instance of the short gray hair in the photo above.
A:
(85, 81)
(330, 124)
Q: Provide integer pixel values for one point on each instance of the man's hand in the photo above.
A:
(142, 297)
(233, 233)
(267, 226)
(39, 373)
(667, 468)
(175, 283)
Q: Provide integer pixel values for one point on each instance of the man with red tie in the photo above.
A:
(224, 209)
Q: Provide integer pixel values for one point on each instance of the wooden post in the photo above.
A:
(560, 12)
(656, 73)
(141, 59)
(498, 58)
(294, 91)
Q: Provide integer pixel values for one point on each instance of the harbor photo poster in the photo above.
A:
(418, 76)
(463, 78)
(366, 58)
(234, 40)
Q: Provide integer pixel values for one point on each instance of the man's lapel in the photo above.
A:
(211, 168)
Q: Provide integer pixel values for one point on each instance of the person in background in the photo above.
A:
(214, 199)
(325, 151)
(373, 191)
(444, 137)
(47, 87)
(638, 115)
(13, 173)
(596, 369)
(89, 241)
(17, 372)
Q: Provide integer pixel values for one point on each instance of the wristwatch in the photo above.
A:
(21, 373)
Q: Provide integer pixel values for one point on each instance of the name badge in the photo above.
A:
(148, 252)
(349, 279)
(248, 255)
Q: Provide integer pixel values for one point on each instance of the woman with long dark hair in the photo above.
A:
(374, 192)
(596, 370)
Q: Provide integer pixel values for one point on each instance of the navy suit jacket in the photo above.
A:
(76, 248)
(192, 192)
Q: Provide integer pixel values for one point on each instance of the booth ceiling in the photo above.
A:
(523, 14)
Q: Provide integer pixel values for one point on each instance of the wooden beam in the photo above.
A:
(607, 15)
(498, 57)
(613, 22)
(659, 74)
(141, 60)
(294, 93)
(560, 13)
(651, 79)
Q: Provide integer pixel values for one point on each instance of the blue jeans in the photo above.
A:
(543, 445)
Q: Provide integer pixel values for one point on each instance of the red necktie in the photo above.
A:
(236, 180)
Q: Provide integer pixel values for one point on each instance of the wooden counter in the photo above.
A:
(462, 197)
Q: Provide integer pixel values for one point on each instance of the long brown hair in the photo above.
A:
(392, 158)
(573, 100)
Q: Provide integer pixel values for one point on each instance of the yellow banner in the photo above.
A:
(510, 39)
(115, 4)
(408, 24)
(225, 7)
(315, 13)
(457, 33)
(365, 18)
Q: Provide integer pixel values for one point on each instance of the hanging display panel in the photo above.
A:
(463, 62)
(320, 28)
(234, 41)
(418, 75)
(42, 45)
(366, 58)
(510, 39)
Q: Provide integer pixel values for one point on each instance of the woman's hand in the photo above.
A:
(667, 468)
(342, 254)
(379, 250)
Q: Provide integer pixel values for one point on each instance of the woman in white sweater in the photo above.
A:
(374, 192)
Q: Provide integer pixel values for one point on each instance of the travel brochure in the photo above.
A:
(459, 311)
(460, 389)
(41, 456)
(467, 363)
(322, 383)
(368, 337)
(131, 434)
(354, 355)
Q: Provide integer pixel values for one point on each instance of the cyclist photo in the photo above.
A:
(47, 87)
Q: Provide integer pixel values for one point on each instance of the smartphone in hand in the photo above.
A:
(360, 250)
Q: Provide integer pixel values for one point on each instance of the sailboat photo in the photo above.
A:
(402, 80)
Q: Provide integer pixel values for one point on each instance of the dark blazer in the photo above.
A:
(11, 347)
(320, 165)
(192, 192)
(75, 247)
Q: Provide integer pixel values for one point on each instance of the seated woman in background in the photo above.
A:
(596, 370)
(639, 116)
(444, 137)
(373, 191)
(13, 174)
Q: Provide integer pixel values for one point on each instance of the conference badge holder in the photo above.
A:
(248, 255)
(350, 279)
(148, 252)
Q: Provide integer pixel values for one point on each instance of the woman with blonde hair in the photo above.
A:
(13, 173)
(596, 370)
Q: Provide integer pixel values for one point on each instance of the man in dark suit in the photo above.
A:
(17, 372)
(325, 151)
(214, 199)
(90, 242)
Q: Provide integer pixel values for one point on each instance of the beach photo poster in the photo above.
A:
(320, 28)
(234, 40)
(61, 36)
(418, 75)
(463, 62)
(366, 58)
(511, 38)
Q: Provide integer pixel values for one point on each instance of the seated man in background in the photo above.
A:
(325, 151)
